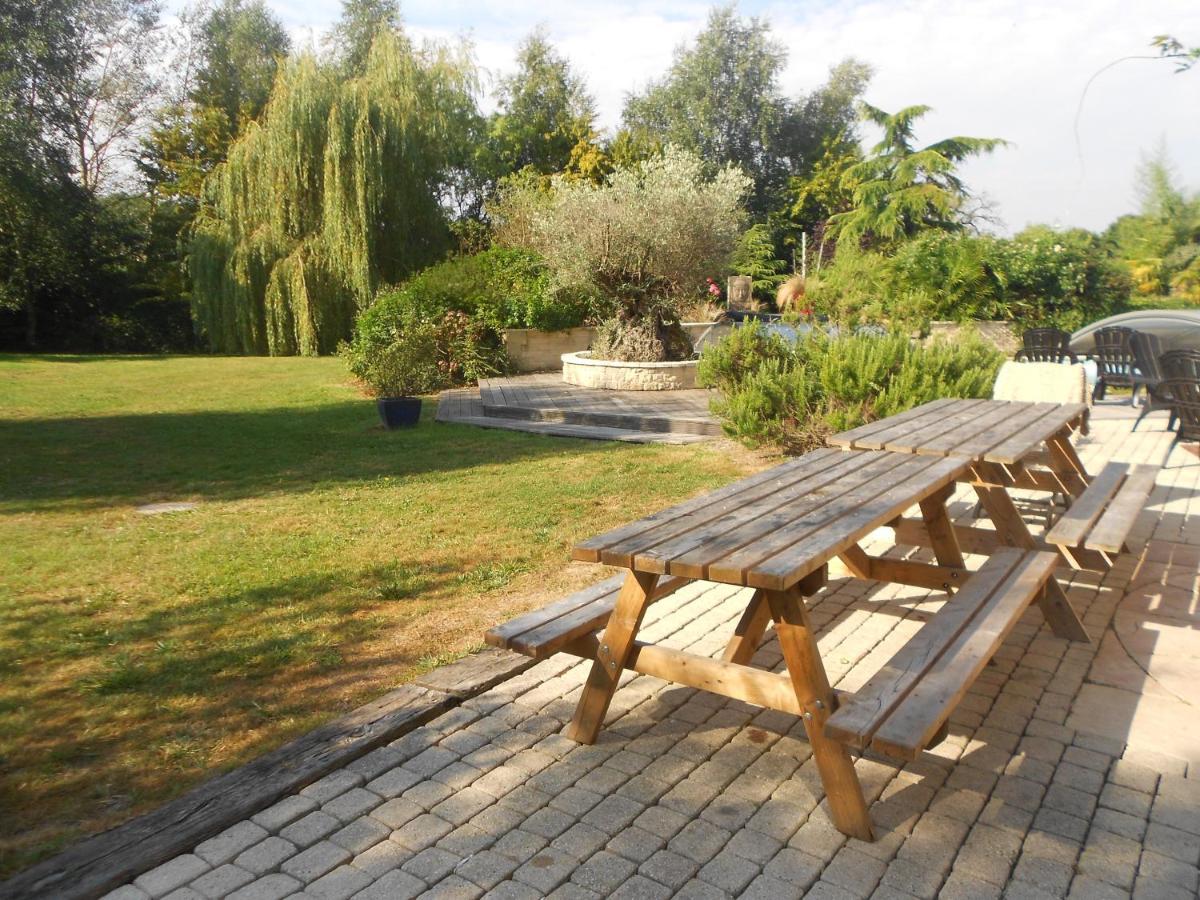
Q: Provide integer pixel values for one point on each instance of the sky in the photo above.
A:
(989, 68)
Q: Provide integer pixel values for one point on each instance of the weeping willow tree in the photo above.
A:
(335, 191)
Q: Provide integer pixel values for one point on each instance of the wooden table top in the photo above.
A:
(773, 528)
(998, 431)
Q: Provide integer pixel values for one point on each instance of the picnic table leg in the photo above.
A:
(847, 804)
(1066, 464)
(615, 644)
(749, 631)
(941, 529)
(1013, 532)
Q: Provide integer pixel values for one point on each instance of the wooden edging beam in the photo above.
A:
(107, 860)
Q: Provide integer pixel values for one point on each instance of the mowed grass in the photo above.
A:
(326, 562)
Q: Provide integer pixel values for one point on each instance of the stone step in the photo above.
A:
(631, 421)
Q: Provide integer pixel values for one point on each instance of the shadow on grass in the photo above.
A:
(223, 455)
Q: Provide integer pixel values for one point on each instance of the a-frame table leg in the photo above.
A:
(799, 644)
(749, 631)
(615, 644)
(1066, 464)
(941, 529)
(1013, 532)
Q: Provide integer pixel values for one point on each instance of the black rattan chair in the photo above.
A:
(1148, 377)
(1180, 364)
(1114, 359)
(1045, 345)
(1185, 394)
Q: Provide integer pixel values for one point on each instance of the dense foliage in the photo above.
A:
(1039, 277)
(335, 193)
(791, 394)
(645, 239)
(460, 307)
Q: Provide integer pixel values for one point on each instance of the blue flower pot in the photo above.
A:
(399, 412)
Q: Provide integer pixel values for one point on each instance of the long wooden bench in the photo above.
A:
(1100, 519)
(901, 710)
(543, 632)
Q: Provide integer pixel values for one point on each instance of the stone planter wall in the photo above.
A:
(530, 350)
(608, 374)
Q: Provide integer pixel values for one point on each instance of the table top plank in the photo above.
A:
(898, 427)
(684, 554)
(590, 549)
(949, 422)
(709, 508)
(693, 562)
(850, 439)
(1002, 431)
(1018, 417)
(1019, 445)
(783, 569)
(992, 423)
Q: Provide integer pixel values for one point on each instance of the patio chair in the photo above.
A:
(1185, 394)
(1147, 349)
(1114, 359)
(1180, 364)
(1045, 345)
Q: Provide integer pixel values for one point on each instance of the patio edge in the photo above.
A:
(105, 861)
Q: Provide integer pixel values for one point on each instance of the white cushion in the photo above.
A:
(1042, 382)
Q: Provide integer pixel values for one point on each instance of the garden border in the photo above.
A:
(105, 861)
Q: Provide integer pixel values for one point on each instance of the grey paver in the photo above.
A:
(270, 887)
(393, 885)
(266, 855)
(284, 812)
(309, 829)
(161, 880)
(230, 842)
(309, 865)
(221, 881)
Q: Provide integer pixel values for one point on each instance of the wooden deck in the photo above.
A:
(545, 404)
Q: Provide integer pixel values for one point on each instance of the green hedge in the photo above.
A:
(461, 305)
(792, 394)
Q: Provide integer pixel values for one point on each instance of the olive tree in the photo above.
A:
(645, 239)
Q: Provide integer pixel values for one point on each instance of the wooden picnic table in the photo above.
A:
(776, 532)
(1025, 446)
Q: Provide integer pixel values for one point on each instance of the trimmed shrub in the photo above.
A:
(791, 395)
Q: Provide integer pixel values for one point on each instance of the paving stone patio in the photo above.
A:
(1040, 790)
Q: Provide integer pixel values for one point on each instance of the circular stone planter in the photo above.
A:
(612, 375)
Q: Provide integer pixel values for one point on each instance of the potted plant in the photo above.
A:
(403, 370)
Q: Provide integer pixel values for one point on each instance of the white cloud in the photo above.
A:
(988, 67)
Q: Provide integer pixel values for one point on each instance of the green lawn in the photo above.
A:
(327, 561)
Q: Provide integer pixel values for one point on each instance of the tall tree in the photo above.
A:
(544, 110)
(721, 99)
(899, 190)
(355, 31)
(337, 191)
(226, 66)
(113, 86)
